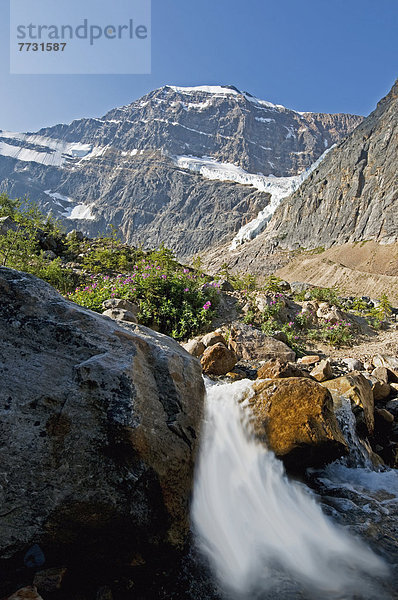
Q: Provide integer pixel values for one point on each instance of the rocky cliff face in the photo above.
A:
(135, 167)
(351, 196)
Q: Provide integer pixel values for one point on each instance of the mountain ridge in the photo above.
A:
(133, 168)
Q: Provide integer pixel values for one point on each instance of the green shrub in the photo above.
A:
(175, 300)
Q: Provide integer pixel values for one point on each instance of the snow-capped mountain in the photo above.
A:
(186, 166)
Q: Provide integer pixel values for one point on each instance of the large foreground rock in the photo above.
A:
(98, 433)
(295, 418)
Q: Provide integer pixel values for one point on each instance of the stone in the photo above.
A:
(394, 386)
(49, 580)
(225, 286)
(275, 368)
(358, 390)
(381, 390)
(214, 337)
(295, 418)
(322, 371)
(100, 448)
(26, 593)
(353, 364)
(309, 360)
(329, 314)
(382, 360)
(385, 415)
(75, 235)
(381, 373)
(281, 336)
(119, 314)
(235, 376)
(249, 343)
(367, 366)
(121, 303)
(218, 360)
(194, 347)
(385, 374)
(299, 286)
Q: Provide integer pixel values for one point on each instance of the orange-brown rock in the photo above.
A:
(323, 371)
(310, 359)
(218, 360)
(358, 390)
(275, 368)
(295, 418)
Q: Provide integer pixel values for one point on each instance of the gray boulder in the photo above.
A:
(99, 425)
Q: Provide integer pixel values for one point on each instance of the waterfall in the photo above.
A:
(255, 525)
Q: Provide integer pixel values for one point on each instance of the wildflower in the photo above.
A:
(186, 289)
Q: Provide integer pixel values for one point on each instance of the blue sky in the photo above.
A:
(310, 55)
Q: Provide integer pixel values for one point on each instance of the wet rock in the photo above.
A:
(295, 417)
(275, 368)
(309, 360)
(113, 303)
(249, 343)
(194, 347)
(99, 449)
(119, 314)
(218, 360)
(214, 337)
(322, 371)
(50, 580)
(358, 390)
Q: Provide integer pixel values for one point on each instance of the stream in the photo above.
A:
(265, 535)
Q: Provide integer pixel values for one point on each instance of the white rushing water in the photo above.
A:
(252, 522)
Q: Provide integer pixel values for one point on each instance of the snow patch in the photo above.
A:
(264, 120)
(279, 188)
(76, 211)
(46, 151)
(82, 211)
(211, 169)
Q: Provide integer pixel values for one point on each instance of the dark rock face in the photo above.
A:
(351, 196)
(98, 435)
(131, 180)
